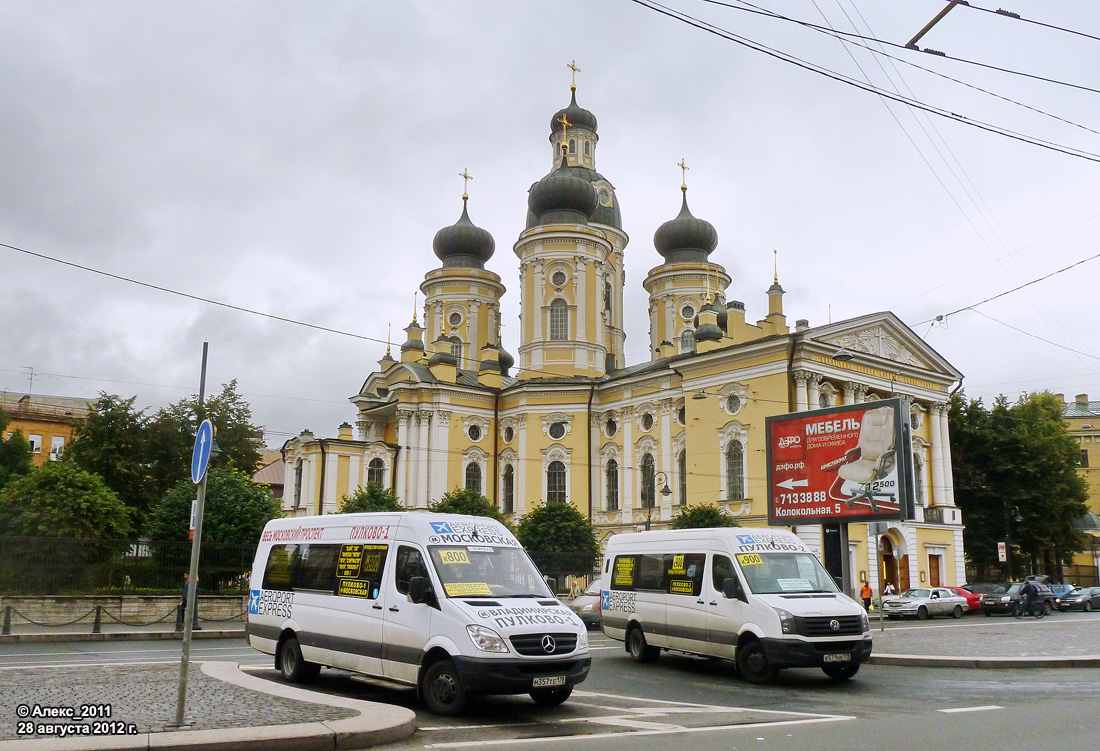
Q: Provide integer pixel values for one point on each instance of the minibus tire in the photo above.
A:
(551, 697)
(841, 672)
(441, 689)
(293, 666)
(753, 664)
(639, 650)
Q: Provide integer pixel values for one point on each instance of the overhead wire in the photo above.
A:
(1017, 17)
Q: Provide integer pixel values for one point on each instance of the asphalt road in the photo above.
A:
(689, 700)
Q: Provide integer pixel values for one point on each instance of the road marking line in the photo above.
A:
(625, 722)
(985, 708)
(629, 734)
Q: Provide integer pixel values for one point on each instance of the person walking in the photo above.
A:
(866, 594)
(889, 589)
(1031, 593)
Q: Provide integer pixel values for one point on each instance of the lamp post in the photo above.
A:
(658, 479)
(1008, 535)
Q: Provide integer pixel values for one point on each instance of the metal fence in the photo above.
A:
(58, 566)
(560, 566)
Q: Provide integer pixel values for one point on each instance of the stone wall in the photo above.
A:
(132, 610)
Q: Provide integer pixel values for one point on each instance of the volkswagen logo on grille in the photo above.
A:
(548, 644)
(834, 624)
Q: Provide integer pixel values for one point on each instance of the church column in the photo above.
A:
(945, 456)
(653, 341)
(474, 338)
(813, 391)
(595, 501)
(860, 393)
(539, 300)
(403, 455)
(801, 395)
(425, 420)
(939, 487)
(437, 483)
(521, 467)
(670, 320)
(628, 463)
(580, 276)
(666, 460)
(414, 489)
(849, 391)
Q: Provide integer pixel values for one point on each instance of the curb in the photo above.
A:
(376, 724)
(943, 661)
(121, 636)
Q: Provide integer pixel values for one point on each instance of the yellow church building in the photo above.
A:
(629, 446)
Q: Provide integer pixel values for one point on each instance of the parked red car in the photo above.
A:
(973, 600)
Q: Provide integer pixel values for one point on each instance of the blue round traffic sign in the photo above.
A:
(200, 457)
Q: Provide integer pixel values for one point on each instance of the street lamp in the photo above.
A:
(1008, 535)
(659, 479)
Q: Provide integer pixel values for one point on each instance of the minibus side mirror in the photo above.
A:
(418, 587)
(731, 588)
(552, 583)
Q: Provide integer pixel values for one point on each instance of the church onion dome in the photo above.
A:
(506, 360)
(463, 245)
(685, 238)
(708, 332)
(411, 343)
(562, 196)
(577, 116)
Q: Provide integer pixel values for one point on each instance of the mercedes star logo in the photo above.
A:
(834, 624)
(548, 644)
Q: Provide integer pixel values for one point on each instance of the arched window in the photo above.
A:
(572, 146)
(376, 472)
(682, 467)
(918, 479)
(587, 148)
(687, 341)
(555, 481)
(649, 494)
(509, 489)
(297, 483)
(456, 348)
(607, 296)
(735, 471)
(473, 476)
(612, 485)
(559, 320)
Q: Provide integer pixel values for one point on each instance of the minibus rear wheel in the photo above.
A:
(639, 650)
(293, 666)
(441, 688)
(551, 697)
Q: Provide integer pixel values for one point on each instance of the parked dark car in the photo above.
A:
(981, 588)
(1082, 598)
(1004, 598)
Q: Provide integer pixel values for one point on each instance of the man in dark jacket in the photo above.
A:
(1031, 593)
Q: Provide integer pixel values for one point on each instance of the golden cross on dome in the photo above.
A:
(683, 171)
(564, 120)
(573, 67)
(776, 260)
(466, 178)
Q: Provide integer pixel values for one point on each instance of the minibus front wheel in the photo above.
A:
(753, 663)
(441, 688)
(293, 666)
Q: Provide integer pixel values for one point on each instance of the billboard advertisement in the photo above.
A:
(842, 464)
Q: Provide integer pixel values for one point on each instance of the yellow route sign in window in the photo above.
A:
(462, 589)
(750, 559)
(453, 556)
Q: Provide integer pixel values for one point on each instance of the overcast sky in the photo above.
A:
(298, 158)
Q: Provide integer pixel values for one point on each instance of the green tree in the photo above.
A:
(111, 442)
(557, 527)
(235, 509)
(703, 515)
(371, 498)
(15, 453)
(466, 501)
(1014, 460)
(61, 500)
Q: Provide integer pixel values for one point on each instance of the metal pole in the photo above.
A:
(1008, 543)
(193, 576)
(913, 42)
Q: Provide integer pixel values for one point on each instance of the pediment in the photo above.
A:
(884, 336)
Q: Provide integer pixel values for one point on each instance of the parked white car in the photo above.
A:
(924, 603)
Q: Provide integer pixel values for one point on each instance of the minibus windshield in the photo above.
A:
(487, 571)
(785, 573)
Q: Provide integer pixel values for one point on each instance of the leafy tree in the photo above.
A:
(61, 500)
(466, 501)
(1014, 460)
(235, 509)
(111, 442)
(558, 527)
(15, 453)
(704, 515)
(371, 498)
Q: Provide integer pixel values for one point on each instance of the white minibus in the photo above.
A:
(450, 604)
(756, 596)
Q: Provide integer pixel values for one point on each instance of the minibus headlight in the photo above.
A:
(864, 620)
(486, 639)
(582, 640)
(786, 621)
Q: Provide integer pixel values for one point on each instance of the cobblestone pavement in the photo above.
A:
(146, 695)
(1057, 635)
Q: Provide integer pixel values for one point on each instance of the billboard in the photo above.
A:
(842, 464)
